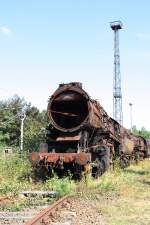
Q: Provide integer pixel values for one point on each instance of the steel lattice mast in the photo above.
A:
(117, 95)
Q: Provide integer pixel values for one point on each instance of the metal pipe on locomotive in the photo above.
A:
(82, 138)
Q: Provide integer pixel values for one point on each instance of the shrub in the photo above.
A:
(63, 186)
(14, 174)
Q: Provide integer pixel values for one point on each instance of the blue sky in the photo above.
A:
(44, 43)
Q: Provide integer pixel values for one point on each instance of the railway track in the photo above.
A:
(42, 215)
(45, 217)
(69, 211)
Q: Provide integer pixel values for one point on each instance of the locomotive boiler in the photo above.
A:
(81, 137)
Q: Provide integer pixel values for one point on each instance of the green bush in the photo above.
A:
(64, 186)
(14, 174)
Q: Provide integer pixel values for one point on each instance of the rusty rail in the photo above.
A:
(45, 216)
(3, 198)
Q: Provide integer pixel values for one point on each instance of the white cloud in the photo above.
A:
(5, 30)
(143, 36)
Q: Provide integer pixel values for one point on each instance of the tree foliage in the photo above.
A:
(143, 132)
(10, 122)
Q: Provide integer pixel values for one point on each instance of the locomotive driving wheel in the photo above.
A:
(124, 161)
(102, 161)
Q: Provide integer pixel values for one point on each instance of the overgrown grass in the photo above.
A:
(122, 196)
(64, 186)
(131, 204)
(15, 172)
(118, 181)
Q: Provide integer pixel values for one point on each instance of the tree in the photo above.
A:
(34, 124)
(143, 132)
(10, 111)
(34, 128)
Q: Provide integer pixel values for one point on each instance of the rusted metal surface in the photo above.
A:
(74, 108)
(34, 158)
(45, 216)
(128, 144)
(69, 138)
(3, 199)
(139, 143)
(148, 147)
(79, 158)
(63, 113)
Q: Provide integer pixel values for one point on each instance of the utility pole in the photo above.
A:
(130, 104)
(117, 95)
(23, 116)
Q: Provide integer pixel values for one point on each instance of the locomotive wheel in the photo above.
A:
(105, 159)
(102, 162)
(137, 157)
(96, 170)
(124, 161)
(39, 173)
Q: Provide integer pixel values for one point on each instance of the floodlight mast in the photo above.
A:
(117, 94)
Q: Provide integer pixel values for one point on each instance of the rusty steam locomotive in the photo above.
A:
(82, 138)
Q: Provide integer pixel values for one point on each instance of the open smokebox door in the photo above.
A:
(68, 110)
